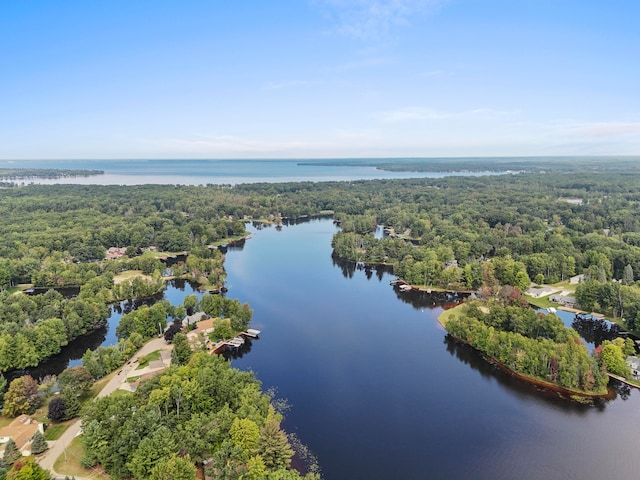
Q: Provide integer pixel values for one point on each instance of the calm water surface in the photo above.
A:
(379, 393)
(215, 172)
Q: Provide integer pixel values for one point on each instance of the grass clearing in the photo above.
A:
(69, 463)
(128, 275)
(542, 302)
(55, 431)
(144, 361)
(120, 393)
(445, 316)
(98, 385)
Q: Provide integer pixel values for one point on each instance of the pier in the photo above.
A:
(235, 342)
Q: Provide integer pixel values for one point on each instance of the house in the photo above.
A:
(634, 365)
(193, 319)
(576, 279)
(565, 300)
(540, 292)
(21, 430)
(115, 252)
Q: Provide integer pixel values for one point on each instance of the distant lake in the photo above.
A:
(379, 393)
(215, 172)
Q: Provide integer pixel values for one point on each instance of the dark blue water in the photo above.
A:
(379, 393)
(203, 172)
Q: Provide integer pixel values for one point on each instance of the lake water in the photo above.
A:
(216, 172)
(378, 392)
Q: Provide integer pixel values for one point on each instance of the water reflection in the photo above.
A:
(522, 389)
(241, 351)
(349, 268)
(422, 299)
(71, 355)
(595, 330)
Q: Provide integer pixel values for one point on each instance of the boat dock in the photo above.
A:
(235, 342)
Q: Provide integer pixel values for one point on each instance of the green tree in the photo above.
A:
(174, 468)
(629, 347)
(57, 409)
(38, 443)
(3, 387)
(181, 350)
(627, 275)
(27, 469)
(613, 359)
(256, 469)
(11, 453)
(150, 452)
(72, 405)
(273, 446)
(76, 380)
(245, 433)
(22, 396)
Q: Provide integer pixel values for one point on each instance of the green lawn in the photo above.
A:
(543, 302)
(69, 463)
(53, 432)
(153, 356)
(447, 314)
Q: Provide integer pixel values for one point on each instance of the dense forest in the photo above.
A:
(533, 344)
(204, 411)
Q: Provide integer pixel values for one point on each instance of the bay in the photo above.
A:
(378, 392)
(214, 172)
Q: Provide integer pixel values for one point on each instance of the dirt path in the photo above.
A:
(58, 446)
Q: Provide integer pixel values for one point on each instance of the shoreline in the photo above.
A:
(531, 380)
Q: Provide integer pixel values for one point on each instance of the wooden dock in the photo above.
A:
(235, 342)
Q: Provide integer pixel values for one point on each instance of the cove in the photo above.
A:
(71, 354)
(378, 391)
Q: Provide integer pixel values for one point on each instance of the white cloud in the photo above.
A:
(372, 19)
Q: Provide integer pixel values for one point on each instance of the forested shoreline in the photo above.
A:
(493, 234)
(463, 233)
(536, 346)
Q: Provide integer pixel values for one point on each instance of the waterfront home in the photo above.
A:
(21, 430)
(634, 365)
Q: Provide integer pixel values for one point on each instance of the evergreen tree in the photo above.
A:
(273, 446)
(72, 406)
(3, 387)
(181, 350)
(38, 443)
(11, 453)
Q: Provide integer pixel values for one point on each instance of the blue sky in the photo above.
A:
(318, 78)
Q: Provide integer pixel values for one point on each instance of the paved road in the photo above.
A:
(58, 447)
